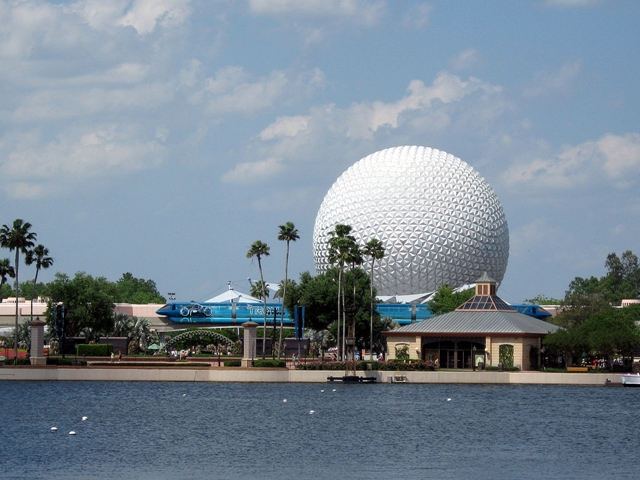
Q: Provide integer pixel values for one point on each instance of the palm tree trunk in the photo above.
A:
(344, 321)
(15, 333)
(284, 295)
(35, 279)
(264, 309)
(338, 344)
(371, 312)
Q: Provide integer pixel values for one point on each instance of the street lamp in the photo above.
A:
(473, 359)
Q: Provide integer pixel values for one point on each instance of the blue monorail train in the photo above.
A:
(231, 314)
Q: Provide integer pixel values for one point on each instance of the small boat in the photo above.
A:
(630, 380)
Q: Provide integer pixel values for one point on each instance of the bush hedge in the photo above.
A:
(232, 363)
(378, 366)
(506, 369)
(21, 361)
(95, 349)
(65, 362)
(150, 364)
(269, 363)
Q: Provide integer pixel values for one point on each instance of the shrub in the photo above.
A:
(95, 350)
(507, 369)
(66, 362)
(150, 364)
(58, 361)
(232, 363)
(402, 353)
(269, 363)
(21, 361)
(506, 356)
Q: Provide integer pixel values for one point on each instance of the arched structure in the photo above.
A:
(203, 337)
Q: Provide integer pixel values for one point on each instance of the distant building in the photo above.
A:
(473, 333)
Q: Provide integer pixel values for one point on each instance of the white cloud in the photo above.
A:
(26, 28)
(143, 15)
(572, 3)
(51, 104)
(253, 172)
(360, 11)
(466, 59)
(612, 157)
(99, 14)
(73, 157)
(232, 90)
(417, 16)
(551, 81)
(285, 127)
(364, 119)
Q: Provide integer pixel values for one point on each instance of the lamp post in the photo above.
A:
(473, 358)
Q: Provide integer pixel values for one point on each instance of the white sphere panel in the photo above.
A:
(439, 220)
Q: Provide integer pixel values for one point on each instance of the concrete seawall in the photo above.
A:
(268, 375)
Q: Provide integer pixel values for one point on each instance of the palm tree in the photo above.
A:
(287, 233)
(6, 270)
(258, 250)
(140, 330)
(373, 249)
(353, 258)
(39, 256)
(122, 325)
(20, 239)
(340, 246)
(258, 290)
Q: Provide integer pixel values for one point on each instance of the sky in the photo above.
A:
(164, 137)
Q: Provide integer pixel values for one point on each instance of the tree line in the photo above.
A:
(592, 323)
(88, 301)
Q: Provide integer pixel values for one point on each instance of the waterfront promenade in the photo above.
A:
(271, 375)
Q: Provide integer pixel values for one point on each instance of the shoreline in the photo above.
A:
(271, 375)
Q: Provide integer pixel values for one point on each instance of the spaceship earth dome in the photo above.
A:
(438, 219)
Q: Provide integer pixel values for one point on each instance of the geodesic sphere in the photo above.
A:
(439, 220)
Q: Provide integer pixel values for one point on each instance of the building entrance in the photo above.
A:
(455, 353)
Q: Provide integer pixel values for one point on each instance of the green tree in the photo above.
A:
(577, 308)
(20, 238)
(258, 290)
(40, 256)
(374, 249)
(621, 281)
(286, 233)
(340, 253)
(258, 250)
(130, 289)
(316, 294)
(6, 270)
(88, 302)
(614, 332)
(543, 300)
(446, 300)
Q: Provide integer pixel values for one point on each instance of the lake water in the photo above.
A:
(232, 430)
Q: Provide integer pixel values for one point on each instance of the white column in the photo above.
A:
(37, 342)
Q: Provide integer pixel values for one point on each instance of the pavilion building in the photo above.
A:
(473, 333)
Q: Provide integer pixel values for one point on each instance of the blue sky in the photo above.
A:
(163, 137)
